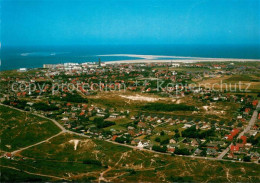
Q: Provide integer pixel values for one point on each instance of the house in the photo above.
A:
(141, 124)
(135, 141)
(197, 152)
(140, 145)
(212, 145)
(171, 149)
(234, 132)
(130, 128)
(132, 132)
(255, 102)
(231, 155)
(172, 141)
(132, 118)
(253, 132)
(194, 142)
(65, 118)
(229, 137)
(187, 125)
(234, 148)
(243, 139)
(8, 155)
(114, 115)
(114, 137)
(211, 151)
(254, 155)
(101, 114)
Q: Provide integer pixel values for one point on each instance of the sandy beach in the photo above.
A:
(167, 59)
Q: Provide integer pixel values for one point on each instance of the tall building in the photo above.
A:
(99, 62)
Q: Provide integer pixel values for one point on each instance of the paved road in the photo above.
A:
(250, 124)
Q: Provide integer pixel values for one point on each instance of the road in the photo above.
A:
(250, 124)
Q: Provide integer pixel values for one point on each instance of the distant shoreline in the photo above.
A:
(180, 59)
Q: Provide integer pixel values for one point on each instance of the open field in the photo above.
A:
(19, 129)
(232, 83)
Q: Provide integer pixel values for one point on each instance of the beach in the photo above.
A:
(167, 59)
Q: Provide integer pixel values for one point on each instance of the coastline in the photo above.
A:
(179, 59)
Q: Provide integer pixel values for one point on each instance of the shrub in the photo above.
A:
(92, 161)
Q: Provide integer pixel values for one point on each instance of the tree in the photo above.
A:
(176, 135)
(157, 139)
(203, 153)
(165, 141)
(159, 148)
(162, 133)
(240, 124)
(99, 122)
(183, 151)
(247, 159)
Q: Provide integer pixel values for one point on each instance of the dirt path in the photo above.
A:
(16, 151)
(101, 177)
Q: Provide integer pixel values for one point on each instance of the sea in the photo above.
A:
(35, 57)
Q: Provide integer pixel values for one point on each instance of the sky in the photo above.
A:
(78, 22)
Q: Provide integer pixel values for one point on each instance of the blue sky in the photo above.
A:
(75, 22)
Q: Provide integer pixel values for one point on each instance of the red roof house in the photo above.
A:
(229, 137)
(244, 139)
(114, 137)
(234, 132)
(234, 148)
(255, 102)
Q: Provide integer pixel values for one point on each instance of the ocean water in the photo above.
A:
(35, 57)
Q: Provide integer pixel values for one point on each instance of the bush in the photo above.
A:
(247, 159)
(76, 98)
(183, 151)
(122, 139)
(180, 179)
(103, 124)
(162, 133)
(45, 107)
(160, 149)
(157, 139)
(168, 107)
(165, 141)
(92, 162)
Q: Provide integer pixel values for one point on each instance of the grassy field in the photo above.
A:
(59, 157)
(19, 129)
(231, 83)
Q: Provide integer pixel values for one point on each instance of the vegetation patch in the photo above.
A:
(167, 107)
